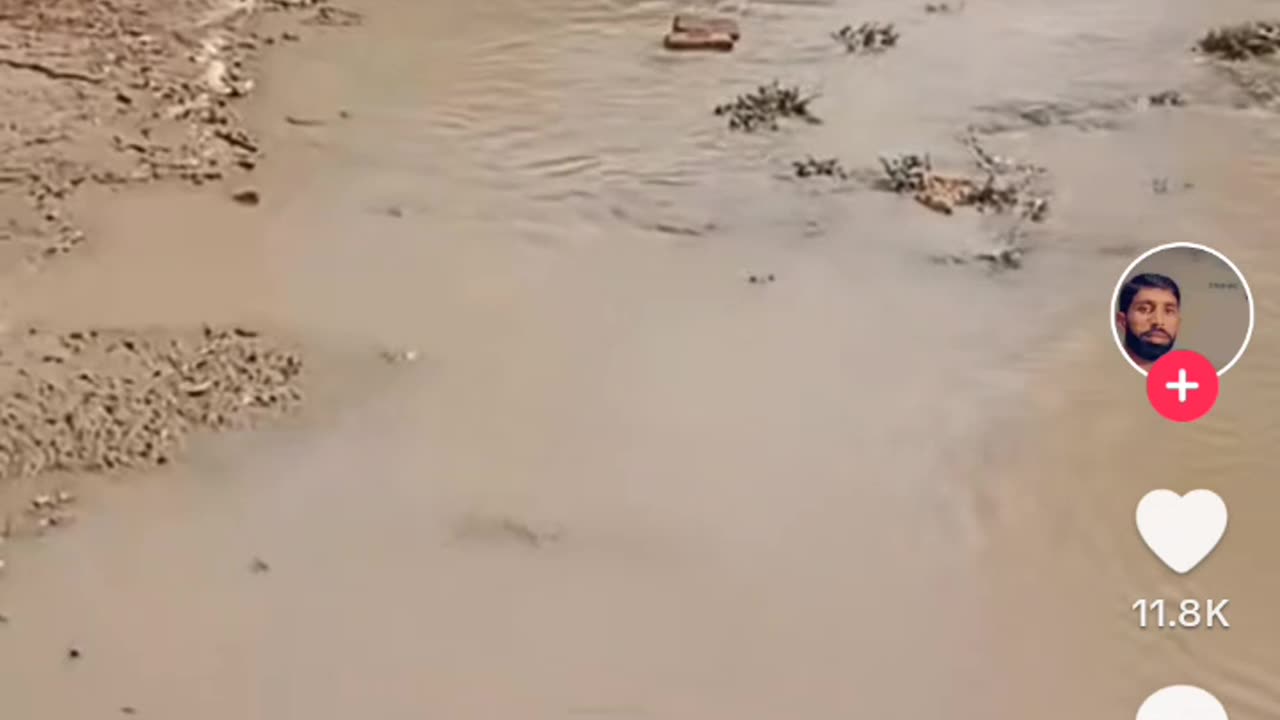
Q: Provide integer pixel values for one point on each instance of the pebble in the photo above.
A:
(246, 196)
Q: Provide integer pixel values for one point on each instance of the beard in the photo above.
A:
(1145, 349)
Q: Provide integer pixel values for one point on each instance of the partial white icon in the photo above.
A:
(1182, 702)
(1182, 529)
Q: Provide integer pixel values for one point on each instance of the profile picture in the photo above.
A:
(1182, 296)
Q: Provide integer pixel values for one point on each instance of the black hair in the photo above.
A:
(1147, 280)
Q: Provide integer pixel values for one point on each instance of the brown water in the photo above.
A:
(878, 487)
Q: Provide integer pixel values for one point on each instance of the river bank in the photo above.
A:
(103, 98)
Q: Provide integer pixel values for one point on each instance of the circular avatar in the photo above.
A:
(1182, 296)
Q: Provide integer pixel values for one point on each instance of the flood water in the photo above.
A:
(877, 487)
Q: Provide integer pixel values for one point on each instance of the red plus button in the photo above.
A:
(1182, 386)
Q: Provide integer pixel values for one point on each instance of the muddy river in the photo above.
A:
(621, 480)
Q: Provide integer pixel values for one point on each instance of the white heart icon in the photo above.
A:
(1182, 702)
(1182, 529)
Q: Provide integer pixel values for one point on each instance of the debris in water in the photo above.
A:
(1168, 98)
(4, 619)
(942, 8)
(1242, 41)
(128, 710)
(867, 37)
(1006, 255)
(761, 279)
(303, 121)
(1163, 185)
(764, 107)
(51, 502)
(400, 356)
(1036, 209)
(714, 25)
(505, 529)
(246, 196)
(331, 16)
(906, 172)
(812, 167)
(697, 40)
(54, 520)
(73, 653)
(258, 565)
(913, 173)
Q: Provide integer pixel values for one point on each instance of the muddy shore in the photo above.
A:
(108, 96)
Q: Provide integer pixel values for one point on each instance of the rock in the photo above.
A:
(246, 196)
(217, 76)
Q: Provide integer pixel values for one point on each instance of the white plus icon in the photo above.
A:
(1182, 386)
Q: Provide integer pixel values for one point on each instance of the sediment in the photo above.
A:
(121, 92)
(99, 400)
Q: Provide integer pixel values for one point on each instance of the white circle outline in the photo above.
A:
(1115, 330)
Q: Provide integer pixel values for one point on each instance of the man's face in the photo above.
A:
(1151, 324)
